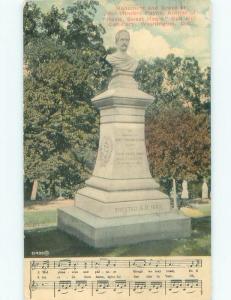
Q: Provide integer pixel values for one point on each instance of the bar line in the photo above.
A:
(54, 289)
(30, 281)
(165, 292)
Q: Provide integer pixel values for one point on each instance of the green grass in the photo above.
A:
(205, 209)
(60, 244)
(36, 219)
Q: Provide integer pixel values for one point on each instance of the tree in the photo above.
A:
(178, 120)
(174, 82)
(60, 123)
(206, 91)
(178, 144)
(31, 22)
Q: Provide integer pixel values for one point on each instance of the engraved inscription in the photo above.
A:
(130, 150)
(142, 207)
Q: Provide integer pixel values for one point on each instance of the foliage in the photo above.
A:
(60, 123)
(174, 82)
(31, 22)
(178, 121)
(178, 144)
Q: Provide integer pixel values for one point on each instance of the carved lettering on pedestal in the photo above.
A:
(131, 151)
(155, 208)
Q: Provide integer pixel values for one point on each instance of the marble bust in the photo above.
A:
(120, 60)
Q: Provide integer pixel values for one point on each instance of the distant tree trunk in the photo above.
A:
(34, 190)
(174, 194)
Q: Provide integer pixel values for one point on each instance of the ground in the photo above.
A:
(43, 214)
(42, 235)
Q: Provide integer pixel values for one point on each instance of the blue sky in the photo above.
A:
(157, 41)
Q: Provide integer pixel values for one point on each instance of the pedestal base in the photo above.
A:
(99, 232)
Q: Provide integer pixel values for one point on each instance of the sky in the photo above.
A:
(148, 41)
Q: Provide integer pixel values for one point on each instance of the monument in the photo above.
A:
(184, 193)
(121, 203)
(205, 191)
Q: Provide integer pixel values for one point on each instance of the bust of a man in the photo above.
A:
(120, 60)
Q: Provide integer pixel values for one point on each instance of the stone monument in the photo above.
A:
(184, 193)
(121, 202)
(205, 191)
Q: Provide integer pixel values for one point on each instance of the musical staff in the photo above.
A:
(122, 277)
(66, 264)
(120, 286)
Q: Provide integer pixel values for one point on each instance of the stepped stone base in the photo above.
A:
(101, 232)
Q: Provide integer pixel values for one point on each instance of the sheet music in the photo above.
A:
(118, 278)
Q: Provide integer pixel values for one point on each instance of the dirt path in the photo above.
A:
(49, 205)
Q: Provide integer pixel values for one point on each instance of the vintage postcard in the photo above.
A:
(117, 169)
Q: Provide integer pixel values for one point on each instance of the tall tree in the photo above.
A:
(178, 144)
(178, 120)
(174, 82)
(31, 22)
(60, 123)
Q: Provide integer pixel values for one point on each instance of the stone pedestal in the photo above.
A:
(121, 202)
(108, 232)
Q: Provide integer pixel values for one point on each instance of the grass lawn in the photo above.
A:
(60, 244)
(42, 218)
(197, 210)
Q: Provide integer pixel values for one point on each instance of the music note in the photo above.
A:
(169, 263)
(64, 286)
(195, 263)
(80, 285)
(101, 286)
(191, 285)
(139, 286)
(174, 285)
(120, 286)
(155, 286)
(46, 264)
(139, 263)
(64, 264)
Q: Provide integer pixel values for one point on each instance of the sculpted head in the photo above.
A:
(122, 39)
